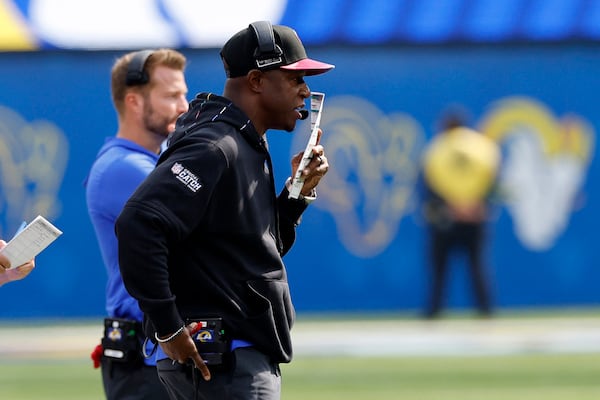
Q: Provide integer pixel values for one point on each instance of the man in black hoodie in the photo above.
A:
(201, 240)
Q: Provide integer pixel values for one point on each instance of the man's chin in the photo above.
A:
(284, 126)
(290, 128)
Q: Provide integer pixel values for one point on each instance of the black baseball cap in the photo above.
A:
(265, 47)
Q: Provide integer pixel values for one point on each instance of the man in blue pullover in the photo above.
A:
(149, 93)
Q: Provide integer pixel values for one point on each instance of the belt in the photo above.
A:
(235, 344)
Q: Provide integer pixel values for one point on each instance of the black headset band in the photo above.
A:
(267, 52)
(135, 70)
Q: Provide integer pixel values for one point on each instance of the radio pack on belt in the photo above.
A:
(211, 340)
(121, 341)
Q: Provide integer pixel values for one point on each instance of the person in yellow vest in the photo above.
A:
(460, 166)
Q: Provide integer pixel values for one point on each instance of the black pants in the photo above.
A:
(131, 381)
(250, 376)
(469, 239)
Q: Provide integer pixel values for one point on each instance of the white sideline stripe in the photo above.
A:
(356, 338)
(439, 337)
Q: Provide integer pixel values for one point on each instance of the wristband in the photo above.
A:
(301, 197)
(173, 336)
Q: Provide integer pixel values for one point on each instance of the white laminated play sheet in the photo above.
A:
(316, 109)
(30, 241)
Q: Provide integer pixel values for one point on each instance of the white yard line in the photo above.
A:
(355, 337)
(451, 337)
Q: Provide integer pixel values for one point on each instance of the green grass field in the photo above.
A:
(56, 365)
(520, 377)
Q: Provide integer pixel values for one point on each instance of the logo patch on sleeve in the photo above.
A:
(187, 177)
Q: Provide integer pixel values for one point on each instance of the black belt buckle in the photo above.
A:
(211, 340)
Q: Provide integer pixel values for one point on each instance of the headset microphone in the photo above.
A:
(303, 114)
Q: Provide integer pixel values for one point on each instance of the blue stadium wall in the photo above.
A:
(361, 246)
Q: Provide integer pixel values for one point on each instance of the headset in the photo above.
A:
(135, 71)
(268, 52)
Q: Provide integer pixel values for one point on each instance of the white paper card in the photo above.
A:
(316, 109)
(31, 241)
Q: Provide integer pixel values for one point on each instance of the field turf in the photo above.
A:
(515, 377)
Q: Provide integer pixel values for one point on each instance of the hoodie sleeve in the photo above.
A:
(290, 213)
(164, 210)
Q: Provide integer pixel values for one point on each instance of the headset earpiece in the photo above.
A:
(267, 52)
(135, 71)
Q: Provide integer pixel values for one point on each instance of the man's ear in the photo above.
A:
(133, 100)
(255, 80)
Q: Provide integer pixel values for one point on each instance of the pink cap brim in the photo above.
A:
(312, 67)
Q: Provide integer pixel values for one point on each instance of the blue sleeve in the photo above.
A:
(120, 180)
(111, 182)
